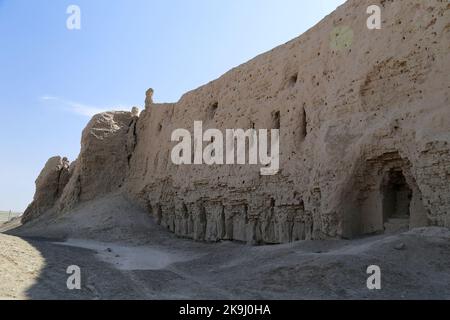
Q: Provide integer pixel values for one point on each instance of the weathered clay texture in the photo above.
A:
(365, 132)
(49, 187)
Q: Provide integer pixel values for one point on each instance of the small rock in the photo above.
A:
(91, 288)
(400, 246)
(109, 249)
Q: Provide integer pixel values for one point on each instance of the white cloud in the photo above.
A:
(48, 98)
(77, 107)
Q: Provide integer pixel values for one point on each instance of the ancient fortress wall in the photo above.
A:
(364, 121)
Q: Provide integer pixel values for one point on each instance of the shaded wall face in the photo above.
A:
(396, 196)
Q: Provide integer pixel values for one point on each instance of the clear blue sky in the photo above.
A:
(52, 78)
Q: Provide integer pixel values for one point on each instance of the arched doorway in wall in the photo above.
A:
(396, 201)
(384, 198)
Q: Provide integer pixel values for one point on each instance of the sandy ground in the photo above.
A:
(147, 262)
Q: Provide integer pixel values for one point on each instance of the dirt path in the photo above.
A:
(415, 265)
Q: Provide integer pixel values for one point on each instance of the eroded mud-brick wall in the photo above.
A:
(353, 104)
(364, 121)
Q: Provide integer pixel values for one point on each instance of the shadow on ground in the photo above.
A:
(414, 266)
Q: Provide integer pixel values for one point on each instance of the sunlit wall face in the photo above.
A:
(52, 78)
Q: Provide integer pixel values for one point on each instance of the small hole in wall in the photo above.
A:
(302, 206)
(276, 120)
(272, 202)
(304, 124)
(160, 127)
(211, 112)
(293, 80)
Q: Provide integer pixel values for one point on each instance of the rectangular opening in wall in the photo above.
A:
(276, 121)
(304, 124)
